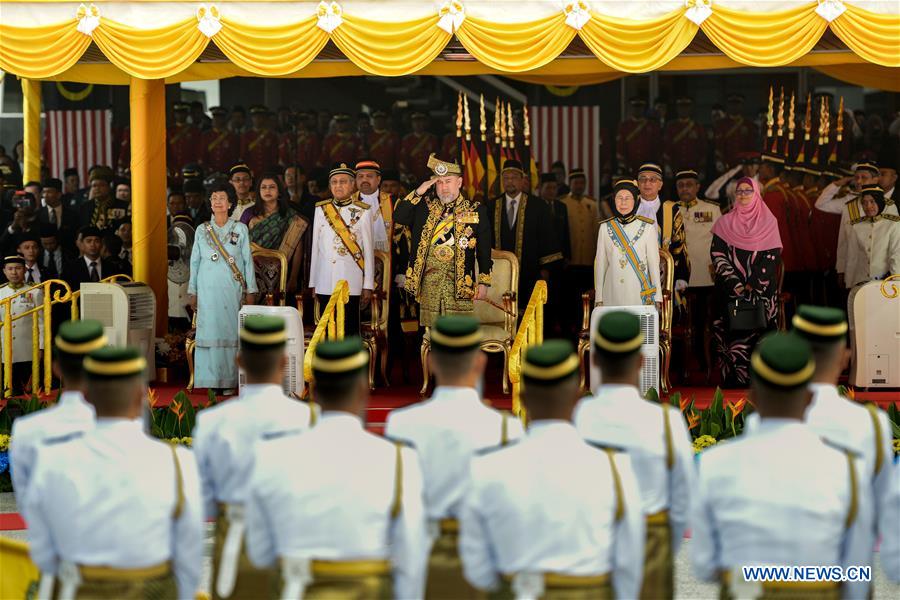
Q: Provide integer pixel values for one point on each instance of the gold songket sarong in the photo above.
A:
(445, 571)
(563, 587)
(438, 290)
(785, 590)
(659, 578)
(156, 582)
(344, 580)
(250, 583)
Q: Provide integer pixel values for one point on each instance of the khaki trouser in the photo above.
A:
(659, 580)
(250, 583)
(787, 590)
(564, 587)
(349, 580)
(445, 571)
(106, 583)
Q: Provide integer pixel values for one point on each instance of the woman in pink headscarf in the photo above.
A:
(746, 254)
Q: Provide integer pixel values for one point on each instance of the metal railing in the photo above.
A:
(40, 318)
(76, 295)
(531, 331)
(330, 326)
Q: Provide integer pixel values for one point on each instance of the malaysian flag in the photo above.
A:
(77, 138)
(570, 134)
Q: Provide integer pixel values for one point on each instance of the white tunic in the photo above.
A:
(381, 236)
(778, 495)
(547, 504)
(618, 416)
(106, 497)
(224, 436)
(331, 261)
(888, 519)
(615, 282)
(873, 249)
(327, 494)
(445, 431)
(70, 414)
(699, 217)
(21, 328)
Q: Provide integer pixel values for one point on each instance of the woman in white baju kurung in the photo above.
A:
(626, 268)
(873, 246)
(217, 295)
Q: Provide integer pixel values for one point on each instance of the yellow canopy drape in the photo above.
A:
(150, 53)
(522, 47)
(271, 51)
(41, 52)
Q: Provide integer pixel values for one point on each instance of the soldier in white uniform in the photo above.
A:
(873, 245)
(839, 198)
(112, 512)
(342, 246)
(70, 414)
(223, 439)
(655, 437)
(22, 347)
(626, 269)
(368, 182)
(698, 215)
(779, 495)
(339, 509)
(445, 431)
(552, 516)
(888, 509)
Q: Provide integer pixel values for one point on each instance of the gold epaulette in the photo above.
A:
(606, 220)
(708, 201)
(893, 218)
(323, 203)
(647, 219)
(858, 220)
(362, 205)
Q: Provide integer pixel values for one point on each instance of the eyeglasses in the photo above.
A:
(649, 179)
(743, 192)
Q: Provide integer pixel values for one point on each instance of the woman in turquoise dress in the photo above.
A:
(222, 280)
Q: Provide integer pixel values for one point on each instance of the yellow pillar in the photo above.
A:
(148, 190)
(31, 114)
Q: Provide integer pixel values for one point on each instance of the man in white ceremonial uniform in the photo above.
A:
(446, 431)
(780, 495)
(22, 348)
(337, 508)
(70, 414)
(873, 245)
(667, 217)
(655, 438)
(223, 441)
(626, 268)
(368, 182)
(342, 246)
(839, 198)
(112, 512)
(552, 516)
(888, 509)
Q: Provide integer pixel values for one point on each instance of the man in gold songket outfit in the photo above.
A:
(450, 234)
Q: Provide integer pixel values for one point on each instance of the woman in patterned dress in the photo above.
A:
(746, 253)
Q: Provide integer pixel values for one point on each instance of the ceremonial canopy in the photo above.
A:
(540, 41)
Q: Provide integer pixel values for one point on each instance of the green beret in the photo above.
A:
(339, 357)
(80, 337)
(456, 334)
(618, 332)
(550, 362)
(113, 362)
(783, 360)
(820, 323)
(263, 331)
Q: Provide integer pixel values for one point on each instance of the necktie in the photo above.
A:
(53, 216)
(511, 213)
(29, 278)
(95, 276)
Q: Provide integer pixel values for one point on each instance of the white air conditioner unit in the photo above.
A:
(128, 314)
(874, 337)
(292, 384)
(649, 349)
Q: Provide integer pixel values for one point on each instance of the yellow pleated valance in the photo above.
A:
(288, 43)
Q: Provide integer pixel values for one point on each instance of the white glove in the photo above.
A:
(400, 280)
(680, 285)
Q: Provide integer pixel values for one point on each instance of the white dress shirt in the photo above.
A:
(327, 494)
(508, 204)
(70, 414)
(331, 262)
(615, 282)
(889, 524)
(648, 208)
(779, 495)
(446, 431)
(106, 497)
(618, 416)
(547, 504)
(225, 433)
(35, 273)
(98, 263)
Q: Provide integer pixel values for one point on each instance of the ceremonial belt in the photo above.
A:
(71, 577)
(559, 580)
(636, 130)
(181, 133)
(647, 290)
(811, 586)
(658, 518)
(229, 260)
(444, 226)
(680, 135)
(449, 525)
(258, 139)
(734, 127)
(879, 452)
(217, 141)
(334, 218)
(231, 549)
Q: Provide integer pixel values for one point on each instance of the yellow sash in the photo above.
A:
(668, 217)
(217, 141)
(425, 139)
(680, 135)
(735, 127)
(636, 130)
(647, 290)
(444, 226)
(181, 133)
(337, 223)
(384, 137)
(258, 139)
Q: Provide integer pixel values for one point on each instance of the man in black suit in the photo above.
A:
(560, 214)
(102, 209)
(54, 256)
(54, 212)
(89, 266)
(523, 224)
(29, 248)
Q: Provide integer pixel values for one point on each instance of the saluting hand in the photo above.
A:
(425, 186)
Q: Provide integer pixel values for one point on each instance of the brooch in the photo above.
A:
(214, 257)
(234, 237)
(463, 242)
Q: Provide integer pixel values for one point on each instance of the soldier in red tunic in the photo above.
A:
(181, 140)
(259, 145)
(777, 197)
(383, 144)
(342, 146)
(416, 147)
(303, 147)
(219, 146)
(637, 140)
(733, 134)
(685, 140)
